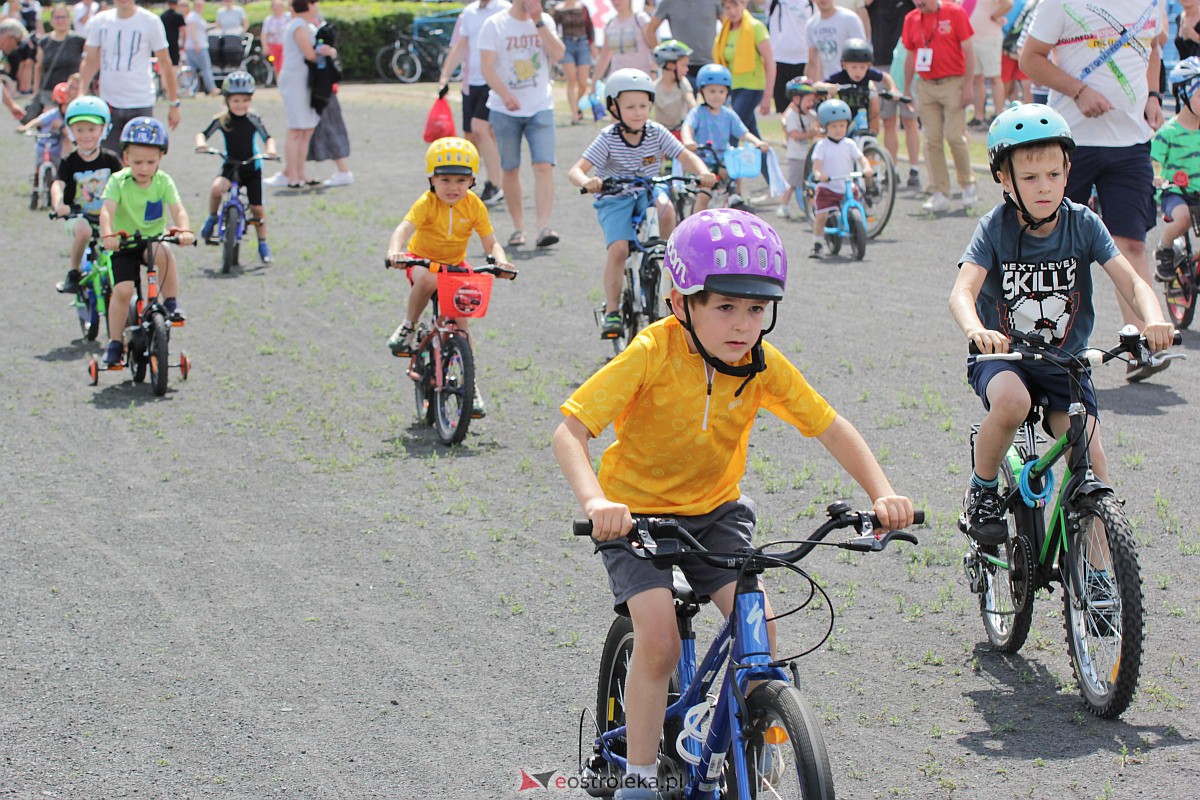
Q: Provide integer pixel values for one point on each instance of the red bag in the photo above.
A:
(440, 122)
(464, 294)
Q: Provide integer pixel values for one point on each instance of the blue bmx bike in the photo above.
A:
(758, 737)
(234, 214)
(848, 221)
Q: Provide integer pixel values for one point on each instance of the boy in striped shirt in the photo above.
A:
(632, 146)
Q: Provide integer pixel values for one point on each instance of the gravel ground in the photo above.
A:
(271, 582)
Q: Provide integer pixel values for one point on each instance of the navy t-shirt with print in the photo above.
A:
(1048, 291)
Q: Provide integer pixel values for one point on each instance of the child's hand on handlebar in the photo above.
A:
(593, 184)
(1159, 336)
(186, 238)
(989, 341)
(62, 210)
(708, 180)
(393, 258)
(609, 520)
(894, 512)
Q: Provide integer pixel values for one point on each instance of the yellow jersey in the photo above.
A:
(444, 231)
(679, 451)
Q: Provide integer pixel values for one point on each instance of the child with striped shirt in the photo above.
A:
(631, 147)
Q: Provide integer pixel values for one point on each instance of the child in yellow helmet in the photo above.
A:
(438, 227)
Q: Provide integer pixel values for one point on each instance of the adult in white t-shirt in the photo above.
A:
(987, 18)
(82, 14)
(1111, 110)
(119, 45)
(516, 49)
(827, 31)
(476, 115)
(787, 22)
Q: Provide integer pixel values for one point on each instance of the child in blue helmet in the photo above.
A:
(1176, 147)
(834, 157)
(82, 176)
(1028, 271)
(683, 398)
(712, 122)
(135, 200)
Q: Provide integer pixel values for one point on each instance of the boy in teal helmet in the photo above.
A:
(1027, 271)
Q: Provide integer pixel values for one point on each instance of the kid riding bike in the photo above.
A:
(92, 282)
(683, 398)
(837, 154)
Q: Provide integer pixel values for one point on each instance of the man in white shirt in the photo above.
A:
(787, 22)
(475, 92)
(987, 18)
(827, 31)
(81, 15)
(119, 45)
(1111, 110)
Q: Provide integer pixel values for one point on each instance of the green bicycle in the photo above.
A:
(1088, 546)
(94, 285)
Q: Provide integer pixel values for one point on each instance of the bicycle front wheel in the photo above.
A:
(881, 197)
(188, 82)
(229, 239)
(453, 399)
(1180, 294)
(259, 69)
(46, 180)
(1103, 615)
(858, 233)
(785, 752)
(406, 65)
(383, 62)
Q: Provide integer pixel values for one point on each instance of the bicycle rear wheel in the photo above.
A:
(1006, 599)
(259, 69)
(807, 195)
(188, 82)
(422, 364)
(158, 351)
(1180, 294)
(406, 65)
(785, 752)
(383, 62)
(651, 278)
(882, 197)
(833, 240)
(452, 402)
(229, 238)
(45, 181)
(1103, 617)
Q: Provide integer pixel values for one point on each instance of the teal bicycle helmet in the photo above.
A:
(714, 75)
(833, 110)
(89, 109)
(239, 82)
(1021, 126)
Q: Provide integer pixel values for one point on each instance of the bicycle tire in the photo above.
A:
(383, 62)
(858, 233)
(1006, 602)
(259, 69)
(629, 320)
(833, 240)
(135, 350)
(807, 195)
(421, 385)
(651, 287)
(406, 65)
(45, 182)
(229, 239)
(1180, 294)
(1105, 648)
(452, 402)
(798, 764)
(188, 82)
(615, 659)
(159, 353)
(684, 202)
(882, 199)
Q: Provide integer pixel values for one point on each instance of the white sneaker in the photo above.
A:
(783, 213)
(340, 179)
(969, 196)
(937, 204)
(278, 179)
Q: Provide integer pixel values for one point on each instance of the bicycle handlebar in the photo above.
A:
(664, 541)
(492, 268)
(137, 237)
(610, 185)
(885, 94)
(1034, 348)
(212, 151)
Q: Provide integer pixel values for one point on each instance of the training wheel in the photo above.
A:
(93, 371)
(185, 366)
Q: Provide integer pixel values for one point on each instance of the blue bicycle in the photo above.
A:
(848, 221)
(748, 743)
(234, 214)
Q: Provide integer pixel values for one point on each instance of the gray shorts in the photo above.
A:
(795, 173)
(726, 529)
(889, 109)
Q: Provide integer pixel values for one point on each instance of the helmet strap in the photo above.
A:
(748, 371)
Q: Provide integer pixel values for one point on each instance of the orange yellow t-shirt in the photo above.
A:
(663, 460)
(444, 231)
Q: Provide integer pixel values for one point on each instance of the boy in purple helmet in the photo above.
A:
(682, 398)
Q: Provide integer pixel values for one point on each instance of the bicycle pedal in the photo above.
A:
(179, 323)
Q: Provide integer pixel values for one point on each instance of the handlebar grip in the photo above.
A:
(919, 516)
(1178, 338)
(581, 527)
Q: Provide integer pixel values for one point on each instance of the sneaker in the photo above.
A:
(176, 315)
(113, 354)
(783, 213)
(969, 196)
(1135, 373)
(340, 179)
(491, 193)
(612, 326)
(478, 408)
(982, 510)
(278, 180)
(264, 252)
(206, 231)
(914, 178)
(816, 250)
(738, 202)
(936, 204)
(1165, 269)
(400, 342)
(70, 285)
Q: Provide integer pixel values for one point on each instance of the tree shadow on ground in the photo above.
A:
(1028, 715)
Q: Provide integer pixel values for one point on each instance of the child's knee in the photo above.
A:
(657, 651)
(618, 251)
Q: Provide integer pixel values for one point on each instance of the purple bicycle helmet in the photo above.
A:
(730, 252)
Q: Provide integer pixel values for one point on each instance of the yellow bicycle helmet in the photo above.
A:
(451, 156)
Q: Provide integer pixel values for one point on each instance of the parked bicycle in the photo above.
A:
(880, 199)
(1088, 546)
(1180, 290)
(234, 214)
(442, 367)
(411, 55)
(186, 80)
(847, 222)
(95, 282)
(641, 295)
(147, 334)
(744, 743)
